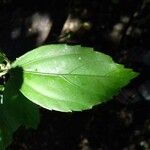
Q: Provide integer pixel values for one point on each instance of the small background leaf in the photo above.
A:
(70, 78)
(16, 110)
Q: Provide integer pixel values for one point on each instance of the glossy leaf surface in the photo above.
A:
(70, 78)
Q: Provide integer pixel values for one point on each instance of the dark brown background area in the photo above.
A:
(119, 28)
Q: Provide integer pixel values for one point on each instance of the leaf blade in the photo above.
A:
(70, 78)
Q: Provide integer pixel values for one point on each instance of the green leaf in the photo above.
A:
(1, 88)
(2, 57)
(4, 64)
(15, 111)
(70, 78)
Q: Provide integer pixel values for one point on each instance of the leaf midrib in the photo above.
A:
(70, 74)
